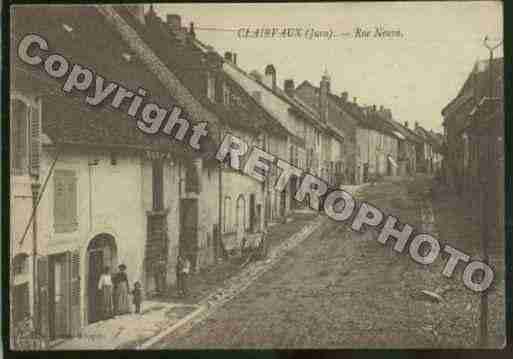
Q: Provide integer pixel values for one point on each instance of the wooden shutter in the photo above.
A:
(75, 293)
(43, 312)
(158, 185)
(19, 118)
(193, 178)
(72, 200)
(35, 141)
(65, 201)
(66, 280)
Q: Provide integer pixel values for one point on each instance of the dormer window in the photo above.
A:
(67, 27)
(127, 56)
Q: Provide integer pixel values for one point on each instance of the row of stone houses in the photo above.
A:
(89, 190)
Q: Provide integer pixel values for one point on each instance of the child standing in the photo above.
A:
(182, 273)
(137, 297)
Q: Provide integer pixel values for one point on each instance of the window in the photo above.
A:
(25, 133)
(158, 185)
(20, 264)
(65, 201)
(192, 178)
(21, 302)
(227, 210)
(211, 87)
(20, 139)
(226, 95)
(113, 158)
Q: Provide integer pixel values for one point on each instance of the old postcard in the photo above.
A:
(275, 175)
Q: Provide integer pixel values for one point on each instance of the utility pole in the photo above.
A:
(483, 320)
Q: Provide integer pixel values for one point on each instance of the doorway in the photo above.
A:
(252, 214)
(293, 189)
(59, 307)
(283, 203)
(188, 241)
(101, 252)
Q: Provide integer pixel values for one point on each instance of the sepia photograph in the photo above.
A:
(256, 176)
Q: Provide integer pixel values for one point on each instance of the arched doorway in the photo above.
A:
(101, 252)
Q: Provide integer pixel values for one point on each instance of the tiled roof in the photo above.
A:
(301, 108)
(188, 58)
(477, 83)
(81, 34)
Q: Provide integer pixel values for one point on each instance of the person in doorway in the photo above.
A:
(106, 294)
(137, 297)
(121, 290)
(183, 267)
(159, 275)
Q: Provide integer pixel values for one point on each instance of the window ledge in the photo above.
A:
(162, 212)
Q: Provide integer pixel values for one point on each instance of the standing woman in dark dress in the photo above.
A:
(122, 291)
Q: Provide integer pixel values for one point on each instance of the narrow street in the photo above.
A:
(343, 289)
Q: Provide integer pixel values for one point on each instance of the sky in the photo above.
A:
(415, 75)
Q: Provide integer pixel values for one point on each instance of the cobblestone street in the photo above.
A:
(340, 288)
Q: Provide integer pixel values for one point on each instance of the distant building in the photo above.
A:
(474, 133)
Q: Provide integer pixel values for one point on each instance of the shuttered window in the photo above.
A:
(158, 185)
(19, 136)
(35, 142)
(193, 179)
(65, 201)
(25, 138)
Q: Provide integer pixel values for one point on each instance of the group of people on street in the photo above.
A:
(115, 291)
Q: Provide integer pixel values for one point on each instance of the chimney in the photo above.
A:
(344, 95)
(234, 58)
(191, 29)
(373, 108)
(137, 10)
(174, 21)
(354, 100)
(388, 113)
(288, 86)
(406, 124)
(324, 90)
(270, 76)
(381, 109)
(228, 56)
(416, 125)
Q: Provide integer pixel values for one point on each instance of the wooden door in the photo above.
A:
(76, 312)
(252, 213)
(95, 270)
(61, 299)
(44, 311)
(189, 229)
(283, 203)
(241, 220)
